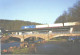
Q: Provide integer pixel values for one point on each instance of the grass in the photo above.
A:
(57, 39)
(21, 51)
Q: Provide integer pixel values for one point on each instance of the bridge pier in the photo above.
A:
(36, 38)
(47, 39)
(22, 40)
(71, 30)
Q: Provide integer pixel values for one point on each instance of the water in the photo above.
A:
(17, 44)
(7, 45)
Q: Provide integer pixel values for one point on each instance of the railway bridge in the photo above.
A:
(46, 31)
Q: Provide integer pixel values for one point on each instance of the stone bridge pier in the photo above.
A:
(21, 39)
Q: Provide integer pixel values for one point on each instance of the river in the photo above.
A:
(51, 47)
(7, 45)
(17, 44)
(58, 48)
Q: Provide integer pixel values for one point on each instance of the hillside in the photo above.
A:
(72, 15)
(15, 24)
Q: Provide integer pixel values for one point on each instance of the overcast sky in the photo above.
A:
(41, 11)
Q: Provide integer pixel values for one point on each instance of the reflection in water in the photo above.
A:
(14, 39)
(7, 45)
(17, 44)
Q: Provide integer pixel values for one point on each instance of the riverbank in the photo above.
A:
(26, 49)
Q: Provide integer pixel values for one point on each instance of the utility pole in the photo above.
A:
(48, 33)
(63, 22)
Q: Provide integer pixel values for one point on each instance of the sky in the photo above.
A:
(40, 11)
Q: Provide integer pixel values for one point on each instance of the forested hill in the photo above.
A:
(15, 24)
(72, 15)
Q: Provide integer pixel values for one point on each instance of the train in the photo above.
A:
(50, 25)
